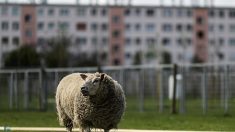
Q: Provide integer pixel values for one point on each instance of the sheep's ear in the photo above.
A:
(83, 76)
(102, 76)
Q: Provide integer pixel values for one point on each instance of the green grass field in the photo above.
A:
(133, 119)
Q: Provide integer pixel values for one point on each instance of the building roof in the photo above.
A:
(125, 6)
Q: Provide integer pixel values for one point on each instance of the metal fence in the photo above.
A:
(200, 88)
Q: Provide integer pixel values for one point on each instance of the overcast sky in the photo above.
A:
(140, 2)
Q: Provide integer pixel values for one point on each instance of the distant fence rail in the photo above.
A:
(202, 87)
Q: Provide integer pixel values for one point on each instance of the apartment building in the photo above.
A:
(120, 33)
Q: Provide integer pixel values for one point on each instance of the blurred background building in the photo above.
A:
(123, 34)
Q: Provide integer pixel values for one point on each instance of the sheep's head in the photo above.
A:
(92, 83)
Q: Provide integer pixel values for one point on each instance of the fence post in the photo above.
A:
(204, 91)
(173, 110)
(16, 90)
(141, 90)
(11, 89)
(161, 93)
(182, 94)
(26, 90)
(226, 90)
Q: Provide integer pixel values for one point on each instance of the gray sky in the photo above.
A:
(140, 2)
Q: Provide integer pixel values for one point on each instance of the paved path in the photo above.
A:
(76, 130)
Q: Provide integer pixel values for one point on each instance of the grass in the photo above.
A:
(133, 119)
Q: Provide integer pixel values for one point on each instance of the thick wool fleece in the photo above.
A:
(102, 110)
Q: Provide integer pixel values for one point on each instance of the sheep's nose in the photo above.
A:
(84, 91)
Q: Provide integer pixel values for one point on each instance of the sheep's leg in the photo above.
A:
(68, 124)
(105, 130)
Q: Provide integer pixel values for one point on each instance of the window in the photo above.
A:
(232, 41)
(63, 25)
(104, 27)
(105, 41)
(167, 27)
(116, 48)
(221, 13)
(189, 41)
(189, 27)
(137, 27)
(150, 27)
(137, 41)
(211, 13)
(137, 11)
(40, 26)
(221, 41)
(50, 12)
(211, 28)
(179, 42)
(212, 42)
(15, 11)
(41, 41)
(27, 18)
(200, 35)
(179, 27)
(16, 41)
(4, 10)
(94, 41)
(81, 26)
(232, 13)
(232, 56)
(200, 20)
(128, 41)
(150, 12)
(232, 28)
(93, 12)
(81, 11)
(166, 41)
(150, 42)
(51, 25)
(128, 27)
(64, 12)
(116, 34)
(81, 41)
(15, 26)
(167, 12)
(189, 13)
(28, 33)
(104, 12)
(128, 55)
(5, 25)
(116, 19)
(40, 12)
(116, 61)
(93, 26)
(127, 12)
(221, 27)
(179, 12)
(5, 40)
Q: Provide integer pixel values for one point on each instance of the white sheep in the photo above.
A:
(89, 101)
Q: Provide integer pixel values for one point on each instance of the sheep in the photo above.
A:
(89, 100)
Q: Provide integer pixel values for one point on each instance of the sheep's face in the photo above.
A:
(92, 83)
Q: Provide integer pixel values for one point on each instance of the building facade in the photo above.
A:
(124, 35)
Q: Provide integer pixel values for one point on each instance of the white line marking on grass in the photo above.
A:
(5, 128)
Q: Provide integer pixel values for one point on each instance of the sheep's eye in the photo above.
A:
(96, 81)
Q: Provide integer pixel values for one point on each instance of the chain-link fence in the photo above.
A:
(199, 88)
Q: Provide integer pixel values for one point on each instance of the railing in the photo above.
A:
(201, 87)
